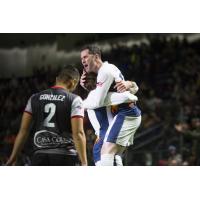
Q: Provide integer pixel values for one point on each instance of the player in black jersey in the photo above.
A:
(56, 116)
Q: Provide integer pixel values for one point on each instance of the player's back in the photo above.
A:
(52, 110)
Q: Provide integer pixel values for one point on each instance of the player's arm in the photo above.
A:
(97, 96)
(21, 138)
(79, 139)
(123, 86)
(78, 134)
(115, 98)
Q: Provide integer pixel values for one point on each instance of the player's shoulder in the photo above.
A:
(77, 101)
(37, 94)
(74, 96)
(108, 68)
(77, 98)
(42, 92)
(34, 95)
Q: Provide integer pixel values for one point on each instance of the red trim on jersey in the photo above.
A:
(28, 112)
(100, 84)
(58, 87)
(77, 116)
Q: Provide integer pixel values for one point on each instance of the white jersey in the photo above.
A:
(100, 97)
(98, 107)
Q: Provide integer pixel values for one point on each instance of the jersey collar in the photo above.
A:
(58, 87)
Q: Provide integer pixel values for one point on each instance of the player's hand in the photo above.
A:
(123, 86)
(11, 162)
(83, 80)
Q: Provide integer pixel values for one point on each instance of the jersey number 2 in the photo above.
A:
(51, 109)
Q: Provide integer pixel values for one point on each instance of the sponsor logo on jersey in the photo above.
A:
(49, 139)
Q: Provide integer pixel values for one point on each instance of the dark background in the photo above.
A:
(166, 68)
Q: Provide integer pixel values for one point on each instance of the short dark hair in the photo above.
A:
(92, 49)
(67, 73)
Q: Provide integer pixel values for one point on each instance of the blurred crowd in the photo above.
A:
(168, 75)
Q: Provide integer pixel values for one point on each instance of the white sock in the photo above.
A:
(98, 163)
(118, 160)
(107, 160)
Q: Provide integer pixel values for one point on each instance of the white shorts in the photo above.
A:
(122, 130)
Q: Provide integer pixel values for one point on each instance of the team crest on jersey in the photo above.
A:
(49, 139)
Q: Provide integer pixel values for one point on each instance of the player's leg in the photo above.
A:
(99, 119)
(110, 154)
(109, 148)
(118, 137)
(118, 160)
(97, 151)
(97, 154)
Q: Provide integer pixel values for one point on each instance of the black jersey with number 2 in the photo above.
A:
(52, 110)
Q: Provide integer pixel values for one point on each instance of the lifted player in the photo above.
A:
(124, 125)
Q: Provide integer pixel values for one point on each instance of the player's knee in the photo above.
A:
(109, 148)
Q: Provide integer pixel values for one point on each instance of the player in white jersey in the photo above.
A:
(120, 132)
(101, 119)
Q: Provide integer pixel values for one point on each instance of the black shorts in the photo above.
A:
(46, 159)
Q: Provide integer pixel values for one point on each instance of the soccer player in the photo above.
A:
(101, 118)
(121, 130)
(57, 131)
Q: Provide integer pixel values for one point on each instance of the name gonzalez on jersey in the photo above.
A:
(52, 97)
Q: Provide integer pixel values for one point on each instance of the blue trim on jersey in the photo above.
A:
(127, 111)
(116, 127)
(101, 115)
